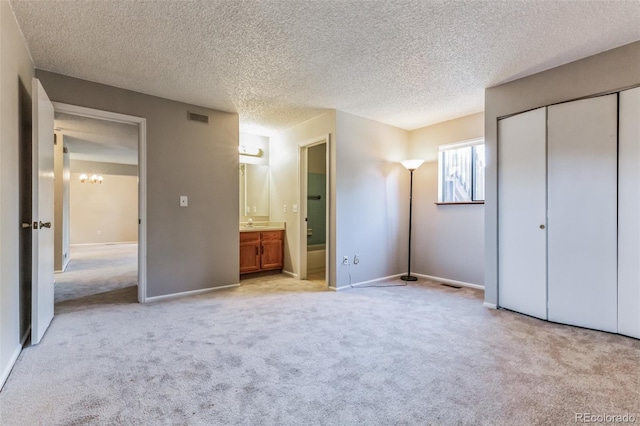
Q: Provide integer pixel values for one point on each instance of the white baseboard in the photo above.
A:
(361, 283)
(188, 293)
(490, 305)
(24, 336)
(7, 368)
(452, 282)
(106, 243)
(291, 274)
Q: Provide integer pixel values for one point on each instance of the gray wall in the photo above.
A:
(187, 248)
(372, 198)
(448, 240)
(605, 72)
(16, 72)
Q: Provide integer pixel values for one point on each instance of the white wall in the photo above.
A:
(106, 212)
(16, 72)
(372, 198)
(368, 194)
(283, 159)
(448, 240)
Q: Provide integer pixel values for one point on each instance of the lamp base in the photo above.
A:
(408, 278)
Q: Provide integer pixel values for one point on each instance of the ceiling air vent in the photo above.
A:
(198, 117)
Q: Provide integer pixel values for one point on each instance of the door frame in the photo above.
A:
(303, 151)
(141, 122)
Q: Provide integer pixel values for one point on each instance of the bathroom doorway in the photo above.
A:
(314, 202)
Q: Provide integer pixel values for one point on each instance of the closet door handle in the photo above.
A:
(542, 226)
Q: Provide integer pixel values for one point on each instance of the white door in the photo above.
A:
(522, 214)
(629, 214)
(582, 213)
(43, 251)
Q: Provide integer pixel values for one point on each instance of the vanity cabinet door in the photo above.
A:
(249, 252)
(272, 250)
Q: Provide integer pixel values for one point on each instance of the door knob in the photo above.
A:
(541, 226)
(25, 225)
(45, 225)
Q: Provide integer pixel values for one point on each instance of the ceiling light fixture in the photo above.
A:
(250, 150)
(93, 179)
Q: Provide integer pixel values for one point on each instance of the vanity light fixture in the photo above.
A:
(250, 151)
(410, 165)
(93, 179)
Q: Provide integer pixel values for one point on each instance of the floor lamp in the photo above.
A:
(410, 165)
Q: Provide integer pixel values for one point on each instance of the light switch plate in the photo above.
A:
(184, 201)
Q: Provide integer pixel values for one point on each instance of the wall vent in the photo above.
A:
(198, 117)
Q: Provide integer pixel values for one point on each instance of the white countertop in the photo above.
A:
(262, 226)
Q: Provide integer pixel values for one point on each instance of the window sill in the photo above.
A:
(459, 202)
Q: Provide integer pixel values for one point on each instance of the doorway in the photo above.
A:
(315, 205)
(100, 207)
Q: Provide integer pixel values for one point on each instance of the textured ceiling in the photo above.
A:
(104, 141)
(277, 63)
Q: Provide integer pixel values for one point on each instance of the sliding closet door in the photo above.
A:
(522, 194)
(629, 214)
(582, 213)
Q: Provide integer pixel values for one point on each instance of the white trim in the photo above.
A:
(103, 244)
(291, 274)
(66, 263)
(452, 282)
(387, 278)
(142, 178)
(490, 305)
(461, 144)
(25, 336)
(189, 293)
(12, 361)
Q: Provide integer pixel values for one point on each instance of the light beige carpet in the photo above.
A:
(277, 351)
(97, 274)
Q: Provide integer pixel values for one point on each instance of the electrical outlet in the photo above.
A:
(356, 259)
(345, 260)
(284, 209)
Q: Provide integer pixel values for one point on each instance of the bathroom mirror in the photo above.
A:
(254, 191)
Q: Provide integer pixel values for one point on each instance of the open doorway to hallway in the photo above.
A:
(96, 211)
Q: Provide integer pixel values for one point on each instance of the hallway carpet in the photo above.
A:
(98, 274)
(277, 351)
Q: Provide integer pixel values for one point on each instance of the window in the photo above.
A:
(461, 172)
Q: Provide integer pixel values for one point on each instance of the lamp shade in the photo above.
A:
(412, 164)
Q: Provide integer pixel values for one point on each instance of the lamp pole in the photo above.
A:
(411, 165)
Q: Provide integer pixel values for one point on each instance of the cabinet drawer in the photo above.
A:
(271, 235)
(245, 237)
